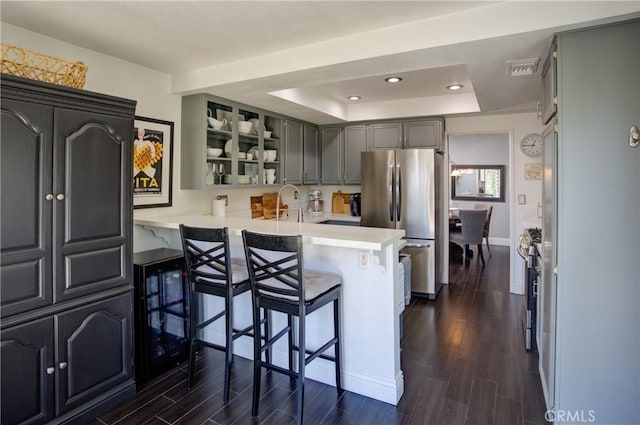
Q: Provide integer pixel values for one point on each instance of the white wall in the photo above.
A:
(522, 216)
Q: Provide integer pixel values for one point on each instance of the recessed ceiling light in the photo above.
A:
(455, 87)
(393, 79)
(354, 98)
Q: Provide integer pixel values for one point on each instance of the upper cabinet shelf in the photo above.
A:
(226, 144)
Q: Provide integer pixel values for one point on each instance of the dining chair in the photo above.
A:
(487, 223)
(472, 227)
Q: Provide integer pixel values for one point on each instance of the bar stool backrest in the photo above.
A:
(206, 253)
(275, 265)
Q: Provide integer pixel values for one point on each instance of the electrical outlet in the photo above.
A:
(364, 260)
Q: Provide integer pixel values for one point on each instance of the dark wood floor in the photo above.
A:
(463, 359)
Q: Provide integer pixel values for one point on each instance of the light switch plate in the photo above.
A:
(522, 199)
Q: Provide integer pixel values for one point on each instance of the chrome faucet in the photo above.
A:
(300, 218)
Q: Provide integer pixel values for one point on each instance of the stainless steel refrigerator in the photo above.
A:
(400, 191)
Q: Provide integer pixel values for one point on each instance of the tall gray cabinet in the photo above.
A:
(589, 341)
(65, 264)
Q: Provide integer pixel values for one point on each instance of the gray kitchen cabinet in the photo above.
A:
(301, 153)
(341, 148)
(331, 148)
(589, 332)
(425, 133)
(66, 220)
(549, 101)
(384, 135)
(294, 151)
(355, 142)
(198, 170)
(311, 145)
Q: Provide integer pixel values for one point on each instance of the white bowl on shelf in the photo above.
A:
(214, 152)
(267, 134)
(270, 155)
(245, 127)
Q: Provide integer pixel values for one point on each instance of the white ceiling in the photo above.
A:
(303, 58)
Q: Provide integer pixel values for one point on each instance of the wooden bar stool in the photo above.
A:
(279, 283)
(212, 271)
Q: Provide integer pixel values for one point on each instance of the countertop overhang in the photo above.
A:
(367, 238)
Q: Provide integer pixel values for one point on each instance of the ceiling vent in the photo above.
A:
(522, 67)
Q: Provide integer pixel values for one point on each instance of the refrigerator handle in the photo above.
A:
(391, 179)
(398, 191)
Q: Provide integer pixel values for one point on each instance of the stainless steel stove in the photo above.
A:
(530, 251)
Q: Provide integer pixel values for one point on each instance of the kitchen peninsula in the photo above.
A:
(372, 296)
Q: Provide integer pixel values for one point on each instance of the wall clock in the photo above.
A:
(531, 145)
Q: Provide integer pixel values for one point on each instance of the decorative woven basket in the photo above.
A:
(25, 63)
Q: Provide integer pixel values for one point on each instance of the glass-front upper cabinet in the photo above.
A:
(228, 144)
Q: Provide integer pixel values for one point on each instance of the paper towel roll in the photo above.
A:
(218, 207)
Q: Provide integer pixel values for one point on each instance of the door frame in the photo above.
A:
(445, 199)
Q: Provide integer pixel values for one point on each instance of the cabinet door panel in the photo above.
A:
(26, 351)
(331, 146)
(92, 170)
(384, 136)
(355, 142)
(293, 167)
(25, 180)
(424, 134)
(310, 152)
(95, 344)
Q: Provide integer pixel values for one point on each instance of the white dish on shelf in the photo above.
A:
(213, 152)
(228, 148)
(254, 151)
(245, 127)
(270, 155)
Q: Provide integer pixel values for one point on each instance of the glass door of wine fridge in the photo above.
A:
(162, 312)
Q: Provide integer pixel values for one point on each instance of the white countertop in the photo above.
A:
(367, 238)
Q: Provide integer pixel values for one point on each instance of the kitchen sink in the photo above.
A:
(340, 222)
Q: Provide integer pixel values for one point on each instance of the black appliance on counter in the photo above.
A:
(161, 312)
(355, 204)
(529, 250)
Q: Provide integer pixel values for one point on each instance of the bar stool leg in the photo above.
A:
(228, 354)
(193, 331)
(290, 341)
(336, 347)
(257, 345)
(301, 366)
(268, 333)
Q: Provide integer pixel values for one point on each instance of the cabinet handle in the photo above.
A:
(60, 196)
(48, 197)
(634, 136)
(63, 365)
(51, 370)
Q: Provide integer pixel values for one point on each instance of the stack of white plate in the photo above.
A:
(244, 179)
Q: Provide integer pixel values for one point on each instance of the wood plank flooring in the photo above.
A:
(463, 360)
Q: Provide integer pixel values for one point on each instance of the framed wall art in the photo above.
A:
(152, 163)
(533, 171)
